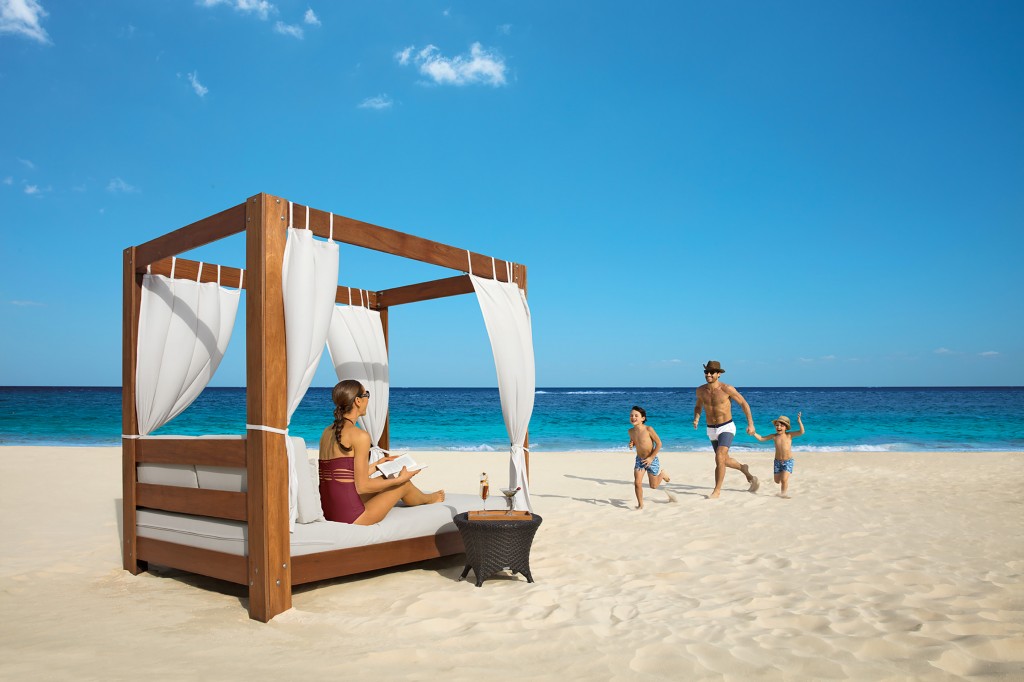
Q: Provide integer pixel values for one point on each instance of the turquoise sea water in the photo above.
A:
(564, 418)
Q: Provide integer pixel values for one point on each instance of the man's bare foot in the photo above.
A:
(754, 484)
(671, 496)
(435, 497)
(745, 468)
(784, 496)
(665, 478)
(639, 507)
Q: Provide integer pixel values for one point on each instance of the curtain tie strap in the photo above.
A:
(130, 437)
(271, 429)
(513, 447)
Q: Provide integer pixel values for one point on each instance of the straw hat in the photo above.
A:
(713, 366)
(782, 420)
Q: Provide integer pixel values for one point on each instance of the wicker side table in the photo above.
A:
(495, 545)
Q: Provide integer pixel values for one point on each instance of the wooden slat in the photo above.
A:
(214, 452)
(426, 291)
(266, 368)
(220, 504)
(323, 565)
(350, 296)
(194, 560)
(189, 269)
(199, 233)
(131, 302)
(385, 240)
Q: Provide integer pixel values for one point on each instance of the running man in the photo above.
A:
(714, 398)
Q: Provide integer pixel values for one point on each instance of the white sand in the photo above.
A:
(881, 566)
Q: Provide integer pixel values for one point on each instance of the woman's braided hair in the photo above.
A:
(344, 396)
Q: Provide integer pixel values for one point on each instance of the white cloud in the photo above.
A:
(27, 164)
(23, 17)
(200, 89)
(311, 18)
(26, 303)
(261, 8)
(8, 180)
(289, 30)
(481, 65)
(32, 190)
(378, 102)
(989, 354)
(943, 351)
(117, 185)
(505, 29)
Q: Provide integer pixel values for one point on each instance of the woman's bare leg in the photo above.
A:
(378, 506)
(414, 497)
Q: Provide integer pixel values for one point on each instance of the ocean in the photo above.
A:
(866, 419)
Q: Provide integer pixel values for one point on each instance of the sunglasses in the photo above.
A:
(707, 374)
(364, 395)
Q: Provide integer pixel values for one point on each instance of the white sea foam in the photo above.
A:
(483, 447)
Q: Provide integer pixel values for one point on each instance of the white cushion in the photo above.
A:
(232, 536)
(231, 479)
(310, 509)
(180, 475)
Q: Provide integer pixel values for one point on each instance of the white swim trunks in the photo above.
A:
(722, 434)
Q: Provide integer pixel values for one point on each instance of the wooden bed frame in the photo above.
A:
(269, 570)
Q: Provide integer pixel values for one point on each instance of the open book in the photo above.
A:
(394, 467)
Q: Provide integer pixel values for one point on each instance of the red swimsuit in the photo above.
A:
(338, 493)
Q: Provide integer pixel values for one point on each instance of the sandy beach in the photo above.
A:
(881, 566)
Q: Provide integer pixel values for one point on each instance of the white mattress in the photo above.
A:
(230, 537)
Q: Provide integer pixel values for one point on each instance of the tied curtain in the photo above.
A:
(358, 351)
(507, 317)
(310, 283)
(184, 329)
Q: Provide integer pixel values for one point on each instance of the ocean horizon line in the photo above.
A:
(952, 387)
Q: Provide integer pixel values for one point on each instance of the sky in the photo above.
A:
(812, 193)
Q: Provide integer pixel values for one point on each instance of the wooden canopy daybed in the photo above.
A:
(268, 567)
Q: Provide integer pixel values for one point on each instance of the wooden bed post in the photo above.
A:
(270, 591)
(132, 301)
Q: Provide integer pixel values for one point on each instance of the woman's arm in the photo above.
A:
(362, 468)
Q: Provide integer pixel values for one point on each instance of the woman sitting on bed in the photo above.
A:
(347, 492)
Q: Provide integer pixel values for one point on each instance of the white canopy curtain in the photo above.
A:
(507, 317)
(184, 329)
(358, 350)
(310, 284)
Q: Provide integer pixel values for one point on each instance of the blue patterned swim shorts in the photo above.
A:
(653, 469)
(784, 465)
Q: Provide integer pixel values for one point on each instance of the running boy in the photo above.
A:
(783, 438)
(647, 445)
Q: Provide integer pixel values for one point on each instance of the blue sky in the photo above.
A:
(813, 193)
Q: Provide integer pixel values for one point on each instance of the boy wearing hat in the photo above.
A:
(715, 398)
(783, 438)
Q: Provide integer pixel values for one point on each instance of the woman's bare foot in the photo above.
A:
(714, 495)
(435, 497)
